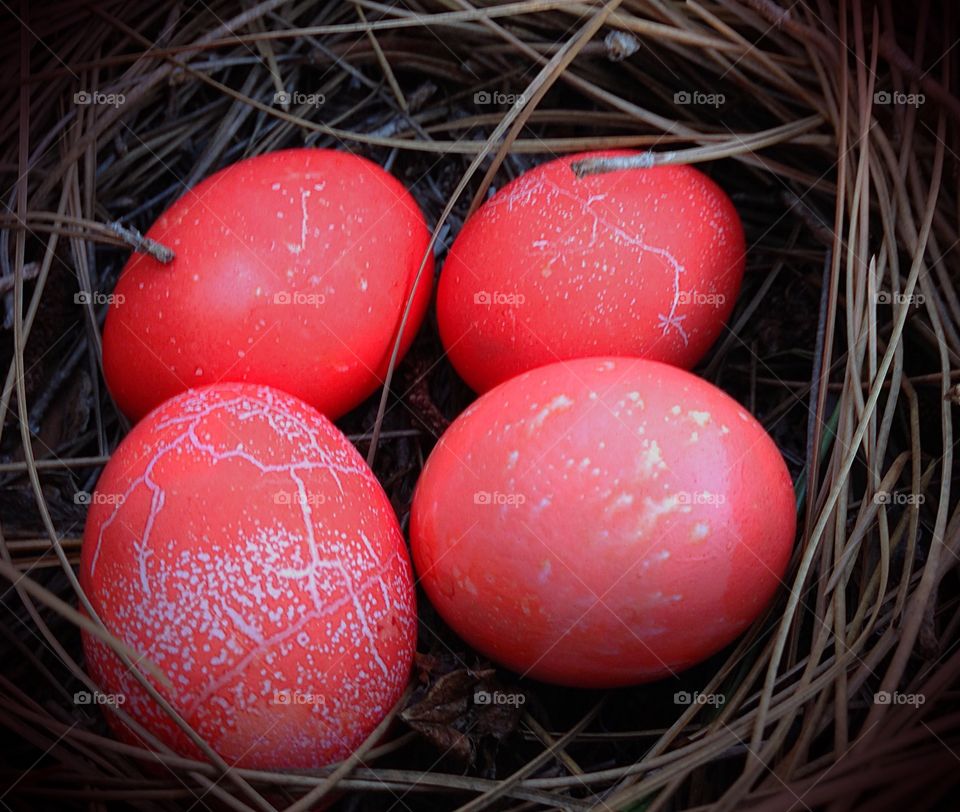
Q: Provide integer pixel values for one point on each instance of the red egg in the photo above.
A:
(292, 270)
(641, 262)
(602, 522)
(240, 543)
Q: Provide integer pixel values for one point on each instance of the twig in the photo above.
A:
(142, 244)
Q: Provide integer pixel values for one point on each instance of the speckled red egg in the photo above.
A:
(602, 522)
(640, 262)
(239, 542)
(292, 269)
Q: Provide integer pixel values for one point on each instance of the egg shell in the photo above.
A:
(292, 270)
(241, 544)
(602, 522)
(640, 262)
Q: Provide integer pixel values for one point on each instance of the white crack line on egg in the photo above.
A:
(327, 462)
(670, 319)
(348, 581)
(305, 217)
(524, 194)
(154, 508)
(273, 641)
(304, 223)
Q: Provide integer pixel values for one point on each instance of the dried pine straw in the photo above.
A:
(844, 343)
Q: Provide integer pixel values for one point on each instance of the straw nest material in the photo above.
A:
(834, 127)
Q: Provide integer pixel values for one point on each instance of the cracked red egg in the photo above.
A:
(239, 542)
(640, 262)
(602, 522)
(292, 269)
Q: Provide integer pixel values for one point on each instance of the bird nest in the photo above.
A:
(834, 129)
